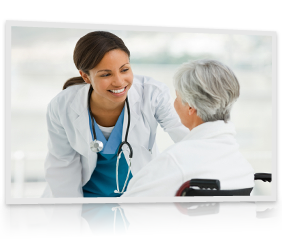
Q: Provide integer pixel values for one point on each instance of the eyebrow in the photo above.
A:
(110, 70)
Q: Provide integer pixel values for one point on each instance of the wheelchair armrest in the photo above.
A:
(263, 176)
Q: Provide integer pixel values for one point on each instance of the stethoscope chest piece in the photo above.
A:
(96, 146)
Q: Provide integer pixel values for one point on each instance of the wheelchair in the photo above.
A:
(211, 187)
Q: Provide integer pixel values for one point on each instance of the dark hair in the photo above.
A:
(90, 50)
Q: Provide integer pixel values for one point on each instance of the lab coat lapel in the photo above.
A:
(81, 124)
(133, 98)
(79, 105)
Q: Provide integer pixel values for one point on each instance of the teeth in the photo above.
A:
(117, 91)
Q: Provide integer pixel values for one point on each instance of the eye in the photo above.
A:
(124, 70)
(105, 75)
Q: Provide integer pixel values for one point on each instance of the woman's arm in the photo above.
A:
(62, 164)
(167, 117)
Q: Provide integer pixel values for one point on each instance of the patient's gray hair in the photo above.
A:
(208, 86)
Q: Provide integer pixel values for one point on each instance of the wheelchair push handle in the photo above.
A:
(263, 176)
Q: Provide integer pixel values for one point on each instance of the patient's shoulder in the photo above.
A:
(182, 147)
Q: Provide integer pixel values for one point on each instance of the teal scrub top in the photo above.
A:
(103, 179)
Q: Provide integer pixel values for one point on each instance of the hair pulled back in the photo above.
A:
(90, 50)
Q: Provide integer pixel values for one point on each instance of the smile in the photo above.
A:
(118, 91)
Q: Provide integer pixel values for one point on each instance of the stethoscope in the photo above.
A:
(97, 145)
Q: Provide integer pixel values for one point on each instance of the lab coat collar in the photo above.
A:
(79, 105)
(210, 130)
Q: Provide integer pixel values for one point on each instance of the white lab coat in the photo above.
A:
(208, 151)
(70, 162)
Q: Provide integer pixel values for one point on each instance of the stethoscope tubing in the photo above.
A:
(127, 129)
(125, 142)
(91, 115)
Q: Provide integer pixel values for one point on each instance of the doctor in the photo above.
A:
(110, 105)
(206, 91)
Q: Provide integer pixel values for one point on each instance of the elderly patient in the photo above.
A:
(206, 91)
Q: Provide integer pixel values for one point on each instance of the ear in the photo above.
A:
(191, 111)
(85, 77)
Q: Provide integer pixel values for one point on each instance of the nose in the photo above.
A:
(118, 81)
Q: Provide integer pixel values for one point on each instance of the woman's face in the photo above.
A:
(187, 114)
(111, 78)
(182, 111)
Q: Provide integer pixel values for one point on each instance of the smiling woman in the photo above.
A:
(110, 79)
(92, 134)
